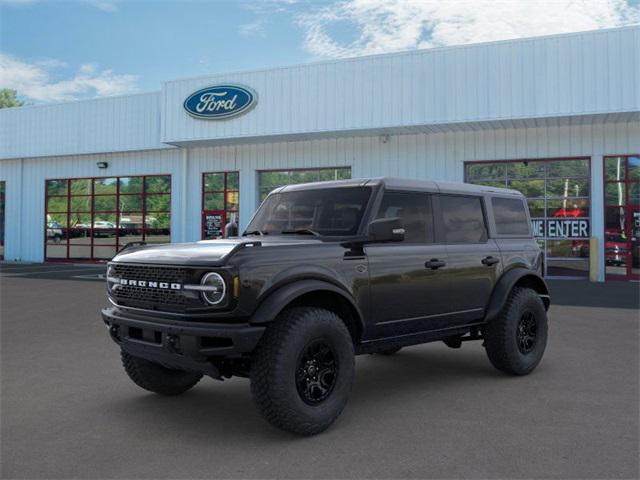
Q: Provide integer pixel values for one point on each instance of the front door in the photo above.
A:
(408, 285)
(622, 218)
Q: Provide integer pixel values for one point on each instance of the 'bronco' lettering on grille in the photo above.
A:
(150, 284)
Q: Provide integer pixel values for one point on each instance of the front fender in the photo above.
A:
(277, 300)
(515, 277)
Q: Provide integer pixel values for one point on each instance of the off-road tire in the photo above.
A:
(156, 378)
(501, 334)
(276, 364)
(389, 351)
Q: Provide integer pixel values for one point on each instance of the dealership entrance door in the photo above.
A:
(220, 202)
(622, 217)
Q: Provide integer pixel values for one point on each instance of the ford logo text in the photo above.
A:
(220, 102)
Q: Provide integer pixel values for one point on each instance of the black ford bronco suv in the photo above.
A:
(324, 272)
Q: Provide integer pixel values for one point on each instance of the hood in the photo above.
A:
(205, 252)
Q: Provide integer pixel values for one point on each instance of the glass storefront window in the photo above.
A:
(220, 202)
(622, 217)
(558, 194)
(270, 180)
(526, 170)
(529, 188)
(93, 218)
(486, 171)
(568, 188)
(615, 193)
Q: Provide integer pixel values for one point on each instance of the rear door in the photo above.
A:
(474, 260)
(407, 294)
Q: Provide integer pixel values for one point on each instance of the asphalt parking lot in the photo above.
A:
(68, 410)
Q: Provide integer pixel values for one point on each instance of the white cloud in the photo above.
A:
(391, 25)
(252, 29)
(34, 80)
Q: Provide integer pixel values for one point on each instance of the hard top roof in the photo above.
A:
(399, 183)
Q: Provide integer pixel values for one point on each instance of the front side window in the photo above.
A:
(335, 212)
(510, 216)
(414, 209)
(463, 219)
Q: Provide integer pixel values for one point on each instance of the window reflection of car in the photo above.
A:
(102, 228)
(54, 232)
(615, 248)
(79, 230)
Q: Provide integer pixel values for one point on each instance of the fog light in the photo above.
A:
(215, 288)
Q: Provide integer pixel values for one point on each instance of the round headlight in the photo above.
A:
(110, 279)
(215, 288)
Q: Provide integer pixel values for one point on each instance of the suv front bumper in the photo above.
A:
(180, 344)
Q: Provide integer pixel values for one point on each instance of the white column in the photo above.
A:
(597, 210)
(248, 195)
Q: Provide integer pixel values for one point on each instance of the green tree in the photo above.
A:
(8, 98)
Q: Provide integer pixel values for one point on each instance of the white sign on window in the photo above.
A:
(561, 228)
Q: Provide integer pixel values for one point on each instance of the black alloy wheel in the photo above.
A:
(515, 340)
(526, 332)
(317, 372)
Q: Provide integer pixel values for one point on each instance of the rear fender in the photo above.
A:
(517, 277)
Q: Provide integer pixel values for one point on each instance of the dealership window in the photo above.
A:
(622, 217)
(220, 202)
(92, 218)
(2, 187)
(269, 180)
(559, 199)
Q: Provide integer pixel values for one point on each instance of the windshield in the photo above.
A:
(330, 212)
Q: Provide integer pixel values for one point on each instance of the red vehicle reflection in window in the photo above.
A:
(569, 212)
(615, 247)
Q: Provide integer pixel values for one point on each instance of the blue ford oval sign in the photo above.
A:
(220, 101)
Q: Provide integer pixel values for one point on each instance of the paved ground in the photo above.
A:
(69, 411)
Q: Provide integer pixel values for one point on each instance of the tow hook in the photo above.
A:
(114, 331)
(173, 343)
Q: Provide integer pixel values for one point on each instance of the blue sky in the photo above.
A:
(54, 51)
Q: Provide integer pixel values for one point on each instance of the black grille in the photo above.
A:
(152, 273)
(154, 298)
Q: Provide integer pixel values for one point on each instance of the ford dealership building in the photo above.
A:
(555, 117)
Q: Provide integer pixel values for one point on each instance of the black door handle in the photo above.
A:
(488, 261)
(434, 264)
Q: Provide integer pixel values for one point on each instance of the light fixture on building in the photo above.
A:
(102, 164)
(384, 138)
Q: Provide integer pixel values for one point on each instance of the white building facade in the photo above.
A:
(556, 117)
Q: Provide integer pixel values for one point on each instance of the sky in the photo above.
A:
(54, 50)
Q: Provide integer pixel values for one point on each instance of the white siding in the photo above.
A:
(112, 124)
(593, 73)
(438, 156)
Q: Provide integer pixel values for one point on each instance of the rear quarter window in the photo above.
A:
(510, 215)
(463, 219)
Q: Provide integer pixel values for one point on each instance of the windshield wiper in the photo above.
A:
(255, 232)
(301, 231)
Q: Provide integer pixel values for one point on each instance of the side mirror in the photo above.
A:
(386, 230)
